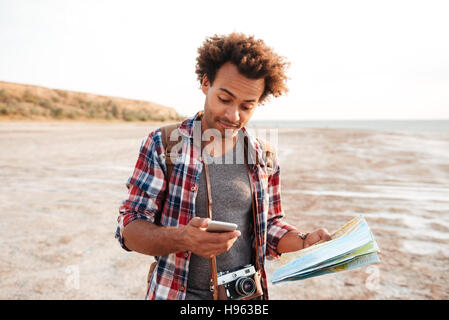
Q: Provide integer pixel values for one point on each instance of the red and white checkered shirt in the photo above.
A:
(148, 200)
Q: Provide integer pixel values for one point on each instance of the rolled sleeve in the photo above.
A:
(276, 230)
(276, 227)
(146, 187)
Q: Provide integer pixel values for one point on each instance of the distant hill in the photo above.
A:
(21, 101)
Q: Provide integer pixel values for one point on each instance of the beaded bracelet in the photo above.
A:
(303, 237)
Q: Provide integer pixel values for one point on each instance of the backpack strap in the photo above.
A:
(268, 155)
(167, 132)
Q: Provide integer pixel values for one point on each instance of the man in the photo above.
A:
(168, 219)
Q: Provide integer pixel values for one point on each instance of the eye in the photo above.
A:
(223, 100)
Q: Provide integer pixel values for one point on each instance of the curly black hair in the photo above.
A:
(252, 57)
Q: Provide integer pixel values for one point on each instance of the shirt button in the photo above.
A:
(193, 188)
(182, 288)
(186, 254)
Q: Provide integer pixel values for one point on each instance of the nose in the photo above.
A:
(232, 114)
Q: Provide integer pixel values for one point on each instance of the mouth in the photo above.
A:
(225, 125)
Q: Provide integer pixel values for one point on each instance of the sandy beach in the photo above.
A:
(62, 184)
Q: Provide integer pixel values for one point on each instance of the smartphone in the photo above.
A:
(220, 226)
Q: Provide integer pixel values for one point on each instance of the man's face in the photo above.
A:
(231, 100)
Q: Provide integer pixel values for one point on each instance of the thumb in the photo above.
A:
(325, 235)
(198, 222)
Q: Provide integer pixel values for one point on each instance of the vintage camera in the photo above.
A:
(240, 283)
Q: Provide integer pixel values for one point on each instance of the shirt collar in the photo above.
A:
(191, 128)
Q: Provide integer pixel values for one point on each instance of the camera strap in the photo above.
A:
(213, 261)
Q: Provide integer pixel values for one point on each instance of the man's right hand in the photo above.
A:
(207, 244)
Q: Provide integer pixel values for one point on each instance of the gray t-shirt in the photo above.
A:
(231, 197)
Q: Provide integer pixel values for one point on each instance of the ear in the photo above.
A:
(205, 84)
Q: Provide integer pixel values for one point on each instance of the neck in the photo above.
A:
(216, 145)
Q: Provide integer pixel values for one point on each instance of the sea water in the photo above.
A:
(379, 125)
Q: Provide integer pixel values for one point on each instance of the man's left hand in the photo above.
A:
(317, 236)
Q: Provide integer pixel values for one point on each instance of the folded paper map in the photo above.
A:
(352, 246)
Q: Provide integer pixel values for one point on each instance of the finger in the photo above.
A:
(199, 222)
(205, 222)
(221, 238)
(227, 245)
(230, 235)
(221, 247)
(325, 235)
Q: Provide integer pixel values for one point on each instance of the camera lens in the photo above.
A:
(245, 286)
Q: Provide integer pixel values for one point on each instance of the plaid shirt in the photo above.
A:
(147, 200)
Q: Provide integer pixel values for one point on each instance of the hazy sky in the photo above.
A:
(349, 59)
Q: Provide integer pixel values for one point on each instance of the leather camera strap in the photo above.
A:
(253, 204)
(212, 261)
